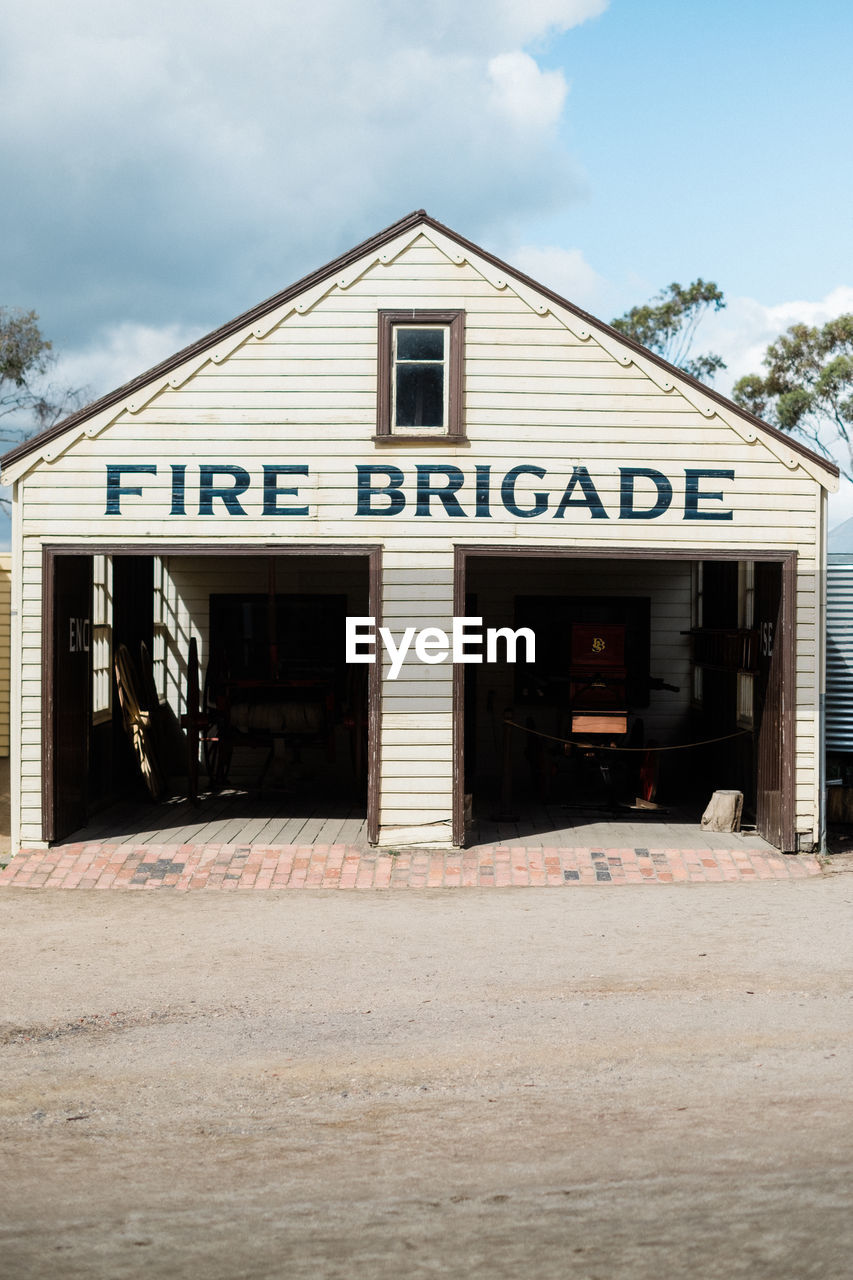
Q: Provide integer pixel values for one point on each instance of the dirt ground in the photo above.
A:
(636, 1082)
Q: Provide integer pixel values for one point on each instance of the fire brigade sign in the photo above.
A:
(424, 490)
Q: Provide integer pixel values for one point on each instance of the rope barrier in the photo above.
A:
(569, 742)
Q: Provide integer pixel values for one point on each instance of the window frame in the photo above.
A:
(453, 321)
(160, 637)
(102, 639)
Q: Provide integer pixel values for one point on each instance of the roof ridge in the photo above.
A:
(214, 336)
(406, 223)
(633, 345)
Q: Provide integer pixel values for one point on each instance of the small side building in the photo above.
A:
(5, 648)
(839, 673)
(413, 433)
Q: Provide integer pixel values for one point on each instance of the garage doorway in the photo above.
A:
(280, 715)
(719, 682)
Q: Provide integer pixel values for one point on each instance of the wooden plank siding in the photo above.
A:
(417, 590)
(535, 392)
(30, 648)
(5, 648)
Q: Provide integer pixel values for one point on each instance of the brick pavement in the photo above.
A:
(337, 866)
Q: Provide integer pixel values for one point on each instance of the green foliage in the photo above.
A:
(750, 394)
(668, 324)
(23, 351)
(808, 387)
(26, 401)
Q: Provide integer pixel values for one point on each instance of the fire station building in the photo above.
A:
(254, 554)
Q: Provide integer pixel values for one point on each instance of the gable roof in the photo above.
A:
(412, 220)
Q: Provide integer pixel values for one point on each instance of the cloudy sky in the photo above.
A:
(168, 163)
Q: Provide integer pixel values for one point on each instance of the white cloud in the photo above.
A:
(523, 93)
(175, 161)
(567, 272)
(742, 332)
(526, 19)
(117, 356)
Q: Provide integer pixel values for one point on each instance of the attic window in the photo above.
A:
(419, 394)
(419, 384)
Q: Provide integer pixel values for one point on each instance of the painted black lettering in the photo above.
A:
(627, 509)
(116, 490)
(179, 486)
(508, 492)
(455, 478)
(228, 495)
(693, 495)
(272, 491)
(393, 490)
(482, 492)
(590, 499)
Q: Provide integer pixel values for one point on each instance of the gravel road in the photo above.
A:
(636, 1082)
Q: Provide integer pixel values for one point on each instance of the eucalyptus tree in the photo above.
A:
(667, 325)
(28, 402)
(807, 388)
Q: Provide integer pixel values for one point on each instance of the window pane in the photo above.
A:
(420, 344)
(420, 395)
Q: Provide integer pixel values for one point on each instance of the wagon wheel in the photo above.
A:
(217, 735)
(138, 722)
(192, 722)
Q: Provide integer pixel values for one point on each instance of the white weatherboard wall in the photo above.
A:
(5, 648)
(542, 387)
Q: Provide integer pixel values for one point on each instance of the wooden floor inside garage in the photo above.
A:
(240, 817)
(230, 817)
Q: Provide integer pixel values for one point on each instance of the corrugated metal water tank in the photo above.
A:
(839, 640)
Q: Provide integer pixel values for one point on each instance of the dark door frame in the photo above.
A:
(788, 628)
(50, 552)
(50, 710)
